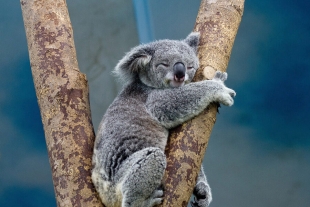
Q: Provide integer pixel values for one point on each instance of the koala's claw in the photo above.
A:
(222, 76)
(202, 195)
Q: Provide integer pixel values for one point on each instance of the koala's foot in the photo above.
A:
(155, 199)
(202, 195)
(141, 185)
(226, 95)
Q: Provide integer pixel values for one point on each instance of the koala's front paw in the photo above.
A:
(202, 195)
(226, 95)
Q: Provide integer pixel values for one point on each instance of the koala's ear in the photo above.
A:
(193, 40)
(135, 60)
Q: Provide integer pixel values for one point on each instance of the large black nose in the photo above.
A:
(179, 71)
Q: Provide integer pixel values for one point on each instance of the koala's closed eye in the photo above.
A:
(163, 64)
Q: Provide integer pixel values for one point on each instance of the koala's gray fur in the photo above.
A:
(129, 159)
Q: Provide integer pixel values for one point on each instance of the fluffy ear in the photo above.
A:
(135, 60)
(193, 40)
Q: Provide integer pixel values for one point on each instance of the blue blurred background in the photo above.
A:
(259, 151)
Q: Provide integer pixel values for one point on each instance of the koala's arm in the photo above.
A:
(173, 106)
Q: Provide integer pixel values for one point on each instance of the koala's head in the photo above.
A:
(161, 64)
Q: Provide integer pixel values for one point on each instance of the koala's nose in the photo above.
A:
(179, 71)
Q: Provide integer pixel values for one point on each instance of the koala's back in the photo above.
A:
(126, 128)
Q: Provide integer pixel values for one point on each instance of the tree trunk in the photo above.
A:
(62, 93)
(217, 22)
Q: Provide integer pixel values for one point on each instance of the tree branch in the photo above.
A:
(217, 22)
(62, 93)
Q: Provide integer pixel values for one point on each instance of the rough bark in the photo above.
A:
(62, 93)
(217, 22)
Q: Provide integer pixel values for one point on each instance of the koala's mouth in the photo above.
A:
(175, 80)
(179, 79)
(176, 83)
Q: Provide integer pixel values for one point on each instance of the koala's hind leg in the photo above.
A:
(140, 185)
(202, 191)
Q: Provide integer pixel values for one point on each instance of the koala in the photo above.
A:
(129, 160)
